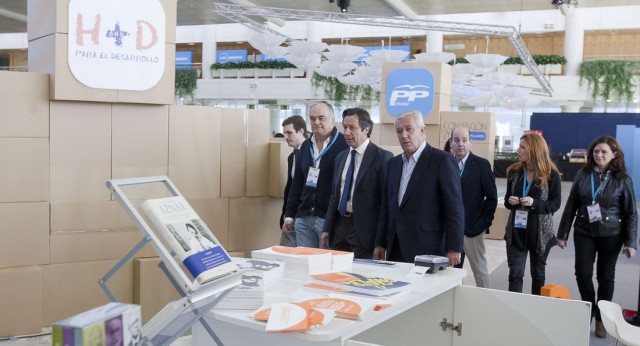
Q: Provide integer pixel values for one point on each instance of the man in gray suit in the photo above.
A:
(480, 199)
(357, 189)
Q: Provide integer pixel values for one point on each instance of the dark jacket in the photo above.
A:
(307, 201)
(367, 193)
(429, 220)
(479, 195)
(617, 207)
(287, 187)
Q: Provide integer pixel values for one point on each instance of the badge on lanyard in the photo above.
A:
(594, 209)
(312, 177)
(594, 212)
(522, 215)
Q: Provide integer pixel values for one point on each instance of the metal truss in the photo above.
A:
(508, 32)
(251, 24)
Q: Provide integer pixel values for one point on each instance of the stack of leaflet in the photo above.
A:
(109, 324)
(304, 261)
(257, 274)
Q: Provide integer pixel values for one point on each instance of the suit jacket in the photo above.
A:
(480, 195)
(287, 187)
(367, 193)
(430, 218)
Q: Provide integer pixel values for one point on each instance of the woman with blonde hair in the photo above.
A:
(606, 220)
(533, 195)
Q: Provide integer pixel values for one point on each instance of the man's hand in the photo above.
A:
(561, 243)
(378, 253)
(324, 240)
(287, 226)
(454, 258)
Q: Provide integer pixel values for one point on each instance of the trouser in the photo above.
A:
(607, 250)
(517, 259)
(344, 238)
(476, 254)
(308, 230)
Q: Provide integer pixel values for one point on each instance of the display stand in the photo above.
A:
(178, 316)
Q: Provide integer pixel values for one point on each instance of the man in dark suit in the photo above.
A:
(311, 186)
(358, 185)
(295, 132)
(422, 214)
(480, 199)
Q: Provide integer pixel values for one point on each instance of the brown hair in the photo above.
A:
(538, 156)
(616, 165)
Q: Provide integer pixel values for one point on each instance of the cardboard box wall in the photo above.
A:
(496, 231)
(194, 150)
(24, 97)
(21, 301)
(257, 171)
(278, 154)
(71, 288)
(152, 290)
(25, 170)
(253, 222)
(24, 234)
(233, 153)
(441, 103)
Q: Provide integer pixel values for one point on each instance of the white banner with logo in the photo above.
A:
(117, 44)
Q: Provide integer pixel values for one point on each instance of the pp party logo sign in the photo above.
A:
(117, 44)
(409, 89)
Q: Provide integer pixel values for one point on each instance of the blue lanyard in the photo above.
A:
(323, 151)
(594, 193)
(525, 187)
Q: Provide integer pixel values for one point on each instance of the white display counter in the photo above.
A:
(482, 316)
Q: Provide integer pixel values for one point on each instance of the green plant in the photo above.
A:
(338, 91)
(610, 78)
(459, 60)
(538, 59)
(185, 81)
(272, 64)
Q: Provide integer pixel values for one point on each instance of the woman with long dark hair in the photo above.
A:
(533, 195)
(603, 205)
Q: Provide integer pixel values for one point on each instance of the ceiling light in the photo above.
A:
(344, 5)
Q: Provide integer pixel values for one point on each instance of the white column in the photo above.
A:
(573, 41)
(435, 41)
(208, 49)
(314, 31)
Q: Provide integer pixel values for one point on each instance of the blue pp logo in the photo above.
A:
(409, 89)
(478, 136)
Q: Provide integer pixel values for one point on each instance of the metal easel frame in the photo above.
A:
(182, 283)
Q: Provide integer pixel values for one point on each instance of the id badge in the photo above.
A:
(594, 212)
(312, 177)
(521, 219)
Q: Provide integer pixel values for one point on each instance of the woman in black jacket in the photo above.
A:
(604, 207)
(533, 195)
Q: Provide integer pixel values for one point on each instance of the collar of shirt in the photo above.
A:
(362, 147)
(327, 141)
(464, 159)
(415, 155)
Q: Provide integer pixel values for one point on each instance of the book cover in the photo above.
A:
(316, 317)
(344, 308)
(373, 285)
(288, 317)
(189, 237)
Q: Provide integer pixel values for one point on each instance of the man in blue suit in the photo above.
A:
(358, 185)
(422, 212)
(480, 199)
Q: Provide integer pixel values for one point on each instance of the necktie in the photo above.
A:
(348, 180)
(461, 166)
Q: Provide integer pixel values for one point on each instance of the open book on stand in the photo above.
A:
(184, 233)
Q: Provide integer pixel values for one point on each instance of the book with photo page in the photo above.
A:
(195, 246)
(372, 285)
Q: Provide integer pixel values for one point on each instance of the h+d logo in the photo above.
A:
(409, 89)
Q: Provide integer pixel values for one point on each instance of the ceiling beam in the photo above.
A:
(402, 8)
(276, 21)
(508, 32)
(13, 15)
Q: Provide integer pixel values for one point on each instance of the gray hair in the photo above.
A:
(326, 104)
(416, 115)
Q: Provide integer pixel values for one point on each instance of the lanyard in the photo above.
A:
(525, 187)
(323, 151)
(594, 193)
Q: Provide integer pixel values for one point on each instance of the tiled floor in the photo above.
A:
(496, 256)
